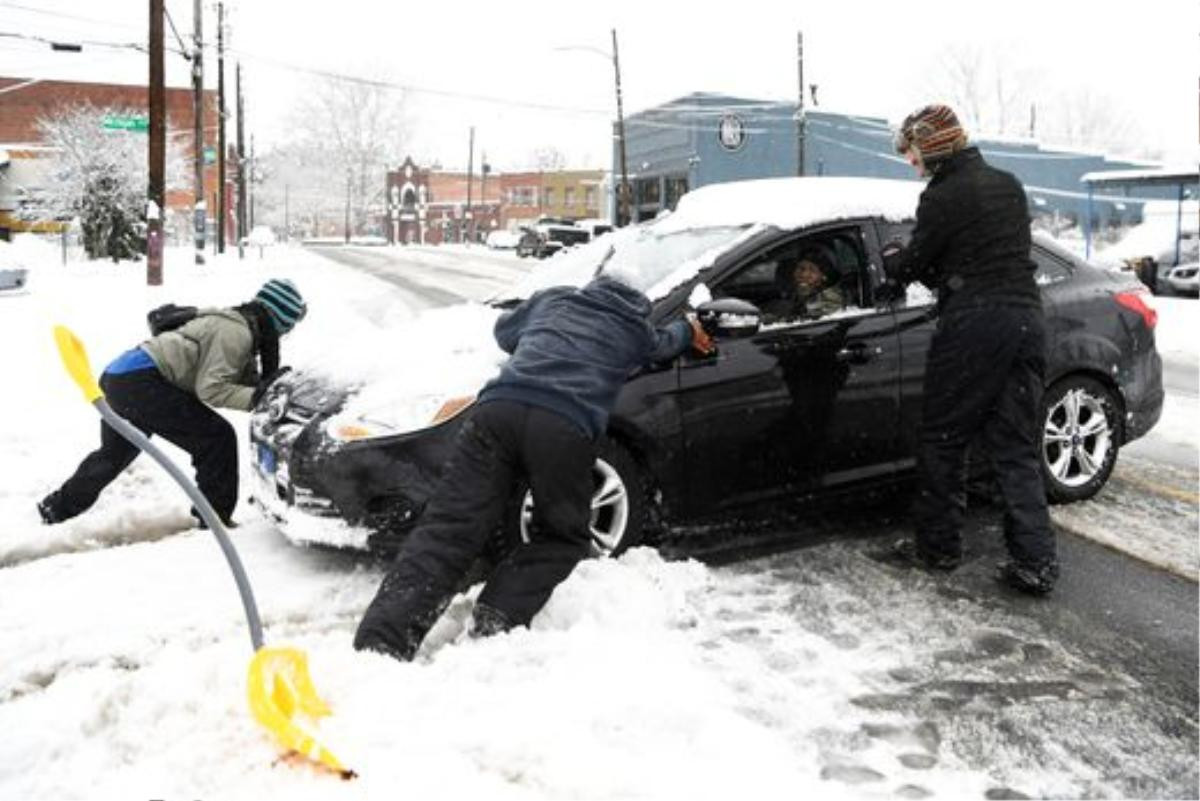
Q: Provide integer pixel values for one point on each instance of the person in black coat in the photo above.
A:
(571, 351)
(986, 362)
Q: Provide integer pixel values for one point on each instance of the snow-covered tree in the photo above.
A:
(100, 176)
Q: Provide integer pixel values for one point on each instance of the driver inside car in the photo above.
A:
(808, 287)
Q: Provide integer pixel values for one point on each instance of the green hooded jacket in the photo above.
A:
(212, 356)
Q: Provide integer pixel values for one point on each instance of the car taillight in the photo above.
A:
(1138, 300)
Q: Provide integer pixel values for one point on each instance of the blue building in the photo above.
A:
(705, 139)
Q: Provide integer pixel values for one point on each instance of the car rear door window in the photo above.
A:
(1050, 269)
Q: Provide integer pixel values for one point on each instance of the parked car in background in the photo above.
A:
(1183, 279)
(595, 226)
(260, 236)
(1150, 251)
(549, 235)
(13, 274)
(503, 239)
(790, 409)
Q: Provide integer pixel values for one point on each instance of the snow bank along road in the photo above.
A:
(812, 672)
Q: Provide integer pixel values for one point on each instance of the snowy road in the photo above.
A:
(815, 672)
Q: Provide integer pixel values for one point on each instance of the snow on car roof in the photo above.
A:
(795, 202)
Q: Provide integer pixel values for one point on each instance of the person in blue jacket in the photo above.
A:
(571, 351)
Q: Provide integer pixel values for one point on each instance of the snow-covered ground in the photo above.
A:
(124, 647)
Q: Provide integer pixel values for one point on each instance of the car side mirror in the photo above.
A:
(729, 317)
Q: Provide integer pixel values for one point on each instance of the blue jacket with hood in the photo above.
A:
(573, 348)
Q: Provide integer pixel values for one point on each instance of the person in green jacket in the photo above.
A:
(167, 386)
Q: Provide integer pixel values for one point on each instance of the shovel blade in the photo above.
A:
(284, 701)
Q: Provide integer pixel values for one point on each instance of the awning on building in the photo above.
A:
(1185, 178)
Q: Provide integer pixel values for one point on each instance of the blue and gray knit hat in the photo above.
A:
(282, 300)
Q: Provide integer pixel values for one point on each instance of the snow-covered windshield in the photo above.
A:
(642, 255)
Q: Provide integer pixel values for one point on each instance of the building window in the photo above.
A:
(548, 197)
(646, 190)
(569, 196)
(521, 196)
(677, 187)
(589, 197)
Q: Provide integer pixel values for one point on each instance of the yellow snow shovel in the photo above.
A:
(281, 691)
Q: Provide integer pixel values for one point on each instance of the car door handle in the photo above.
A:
(858, 353)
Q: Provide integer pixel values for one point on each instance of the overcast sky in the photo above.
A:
(532, 74)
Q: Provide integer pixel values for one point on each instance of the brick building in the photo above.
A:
(574, 194)
(428, 206)
(24, 101)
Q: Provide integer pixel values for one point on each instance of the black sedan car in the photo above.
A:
(789, 408)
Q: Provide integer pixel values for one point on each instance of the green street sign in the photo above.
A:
(116, 123)
(210, 155)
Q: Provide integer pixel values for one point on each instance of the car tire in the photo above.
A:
(619, 503)
(1082, 432)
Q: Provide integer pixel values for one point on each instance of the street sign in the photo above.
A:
(210, 155)
(115, 122)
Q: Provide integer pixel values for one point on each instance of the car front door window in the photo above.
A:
(808, 401)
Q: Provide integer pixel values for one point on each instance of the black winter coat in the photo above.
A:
(972, 238)
(572, 349)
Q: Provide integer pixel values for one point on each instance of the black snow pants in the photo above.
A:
(500, 443)
(155, 406)
(984, 376)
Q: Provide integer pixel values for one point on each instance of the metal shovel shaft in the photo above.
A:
(210, 516)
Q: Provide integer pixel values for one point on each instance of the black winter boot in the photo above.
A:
(488, 620)
(48, 513)
(1029, 579)
(907, 553)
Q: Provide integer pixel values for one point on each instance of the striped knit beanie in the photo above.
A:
(934, 131)
(283, 302)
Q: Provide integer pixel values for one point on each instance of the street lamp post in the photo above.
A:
(623, 193)
(623, 200)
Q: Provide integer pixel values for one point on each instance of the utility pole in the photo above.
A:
(469, 221)
(157, 149)
(1033, 120)
(199, 212)
(483, 171)
(346, 227)
(800, 103)
(241, 164)
(221, 215)
(623, 215)
(287, 222)
(250, 186)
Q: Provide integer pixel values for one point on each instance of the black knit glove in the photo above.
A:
(890, 291)
(265, 383)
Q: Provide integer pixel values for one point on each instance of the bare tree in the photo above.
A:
(548, 158)
(295, 197)
(348, 133)
(100, 176)
(994, 92)
(1084, 117)
(990, 93)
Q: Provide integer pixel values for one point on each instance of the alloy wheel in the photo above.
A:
(609, 514)
(1077, 438)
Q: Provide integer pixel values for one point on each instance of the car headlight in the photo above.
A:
(424, 411)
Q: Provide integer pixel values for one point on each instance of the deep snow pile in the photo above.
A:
(814, 674)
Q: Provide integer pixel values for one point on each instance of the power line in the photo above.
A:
(175, 31)
(141, 48)
(61, 15)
